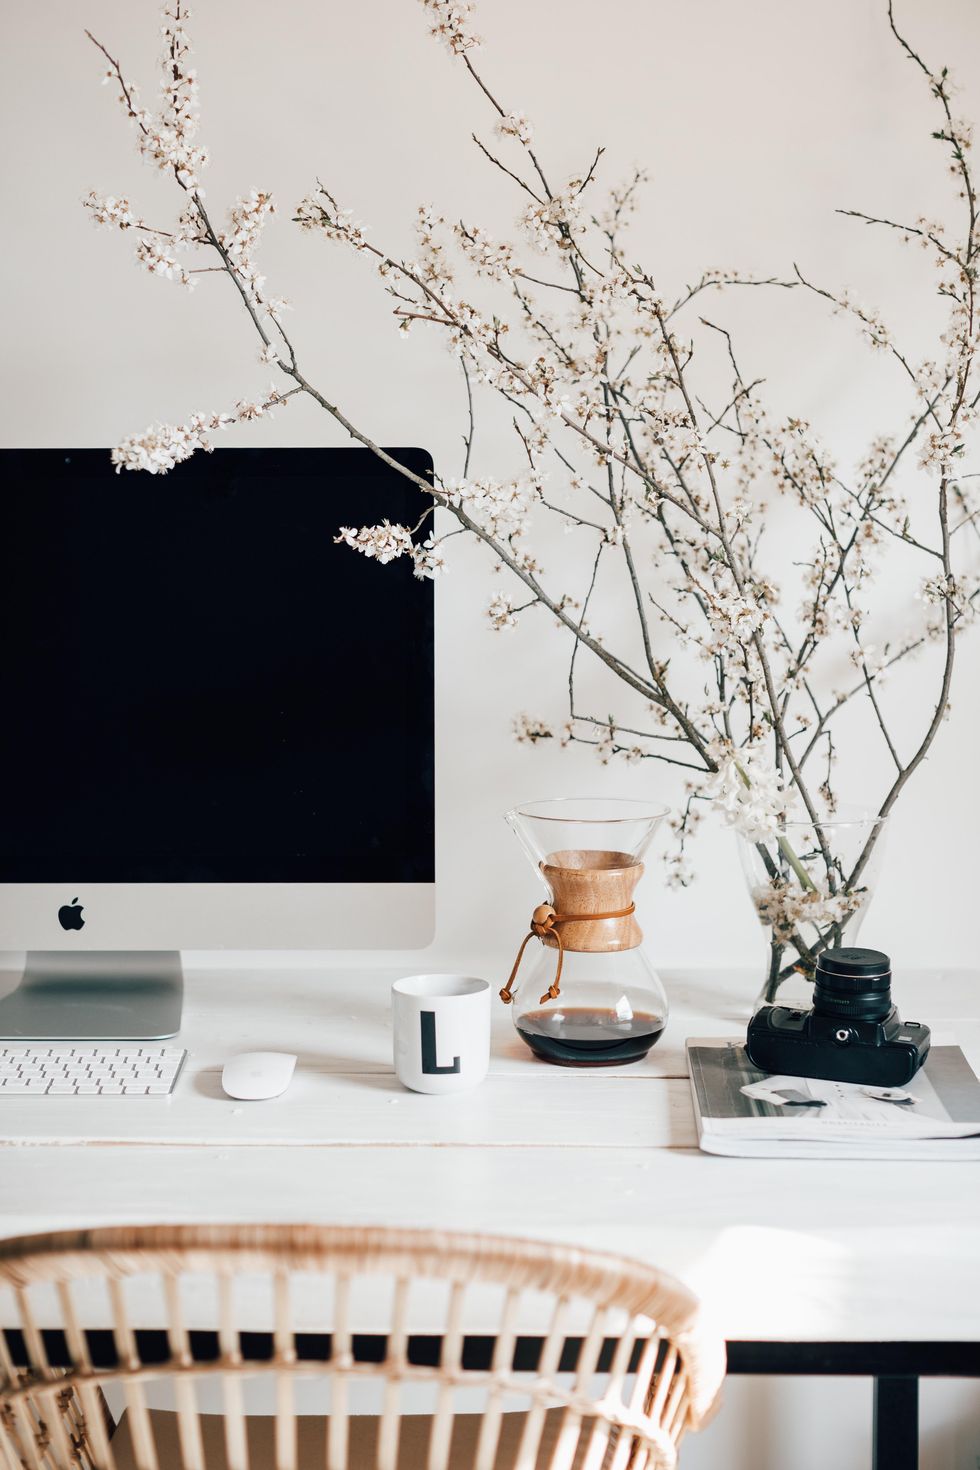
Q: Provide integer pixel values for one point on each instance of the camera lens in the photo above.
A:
(855, 983)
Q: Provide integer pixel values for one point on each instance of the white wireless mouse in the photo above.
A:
(256, 1075)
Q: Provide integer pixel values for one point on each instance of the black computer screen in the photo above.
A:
(198, 685)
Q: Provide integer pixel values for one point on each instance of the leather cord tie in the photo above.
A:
(544, 922)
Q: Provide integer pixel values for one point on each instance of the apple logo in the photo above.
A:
(70, 915)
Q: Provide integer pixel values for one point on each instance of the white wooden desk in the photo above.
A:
(808, 1265)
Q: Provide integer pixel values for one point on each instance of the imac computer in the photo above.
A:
(217, 725)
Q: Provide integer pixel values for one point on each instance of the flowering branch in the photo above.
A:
(621, 447)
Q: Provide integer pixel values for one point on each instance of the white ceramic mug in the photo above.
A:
(441, 1031)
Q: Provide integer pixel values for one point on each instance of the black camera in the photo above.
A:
(852, 1034)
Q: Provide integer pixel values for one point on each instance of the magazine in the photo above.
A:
(747, 1113)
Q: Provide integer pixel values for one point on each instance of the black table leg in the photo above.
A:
(896, 1424)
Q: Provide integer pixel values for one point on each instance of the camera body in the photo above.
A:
(853, 1033)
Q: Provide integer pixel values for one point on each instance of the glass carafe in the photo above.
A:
(587, 995)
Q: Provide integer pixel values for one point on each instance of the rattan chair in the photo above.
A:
(615, 1366)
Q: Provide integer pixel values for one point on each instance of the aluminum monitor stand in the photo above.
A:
(94, 995)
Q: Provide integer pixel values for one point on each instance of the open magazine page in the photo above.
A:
(737, 1104)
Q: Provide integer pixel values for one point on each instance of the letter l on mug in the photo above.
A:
(441, 1031)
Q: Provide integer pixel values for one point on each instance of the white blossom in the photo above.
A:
(491, 258)
(162, 446)
(553, 221)
(530, 731)
(679, 871)
(167, 139)
(870, 319)
(160, 262)
(429, 559)
(189, 229)
(785, 907)
(962, 129)
(318, 211)
(500, 611)
(605, 746)
(738, 512)
(941, 448)
(937, 589)
(451, 24)
(516, 125)
(735, 618)
(388, 541)
(245, 220)
(748, 794)
(383, 543)
(502, 506)
(110, 212)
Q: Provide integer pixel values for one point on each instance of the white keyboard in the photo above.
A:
(90, 1069)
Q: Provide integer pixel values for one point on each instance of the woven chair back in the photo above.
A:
(370, 1349)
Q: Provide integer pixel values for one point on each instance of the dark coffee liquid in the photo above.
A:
(582, 1037)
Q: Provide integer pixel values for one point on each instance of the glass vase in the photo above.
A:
(586, 995)
(811, 884)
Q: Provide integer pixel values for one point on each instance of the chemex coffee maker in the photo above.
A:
(589, 997)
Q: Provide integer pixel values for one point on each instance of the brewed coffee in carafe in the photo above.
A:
(587, 996)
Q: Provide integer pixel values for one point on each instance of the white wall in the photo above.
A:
(756, 122)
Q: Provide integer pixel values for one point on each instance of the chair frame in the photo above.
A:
(55, 1418)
